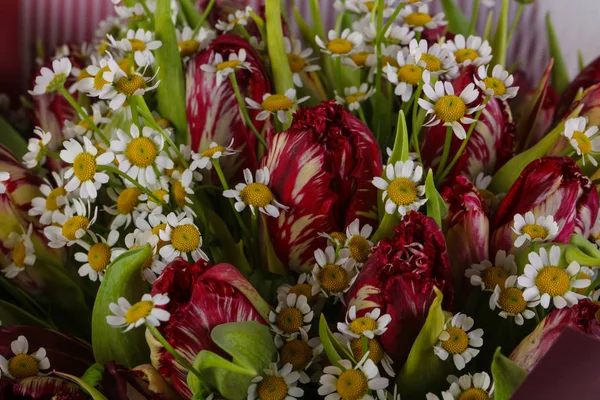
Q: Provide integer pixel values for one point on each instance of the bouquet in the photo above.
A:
(220, 202)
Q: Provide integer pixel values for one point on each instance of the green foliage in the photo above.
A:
(507, 376)
(436, 206)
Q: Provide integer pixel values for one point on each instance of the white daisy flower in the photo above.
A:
(181, 187)
(335, 239)
(446, 107)
(135, 13)
(345, 382)
(370, 325)
(421, 19)
(291, 315)
(340, 46)
(141, 156)
(406, 76)
(399, 184)
(487, 275)
(281, 382)
(126, 85)
(94, 78)
(83, 173)
(333, 274)
(468, 386)
(37, 148)
(97, 257)
(543, 280)
(528, 228)
(511, 302)
(141, 43)
(302, 287)
(299, 351)
(374, 348)
(472, 51)
(23, 365)
(482, 181)
(160, 193)
(582, 138)
(71, 225)
(499, 85)
(299, 60)
(181, 238)
(353, 96)
(127, 206)
(82, 128)
(222, 68)
(400, 34)
(240, 17)
(389, 55)
(142, 312)
(363, 7)
(189, 44)
(437, 58)
(357, 241)
(255, 194)
(203, 160)
(53, 79)
(280, 105)
(153, 266)
(459, 341)
(22, 252)
(4, 177)
(51, 204)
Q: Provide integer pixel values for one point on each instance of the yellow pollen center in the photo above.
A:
(156, 231)
(185, 238)
(233, 64)
(458, 341)
(432, 63)
(277, 102)
(339, 236)
(72, 225)
(450, 108)
(355, 98)
(474, 394)
(463, 55)
(374, 347)
(352, 385)
(296, 63)
(99, 257)
(23, 366)
(535, 231)
(303, 289)
(512, 301)
(52, 199)
(163, 123)
(130, 85)
(417, 19)
(339, 46)
(410, 74)
(84, 166)
(402, 191)
(333, 278)
(496, 85)
(141, 152)
(553, 281)
(360, 58)
(83, 74)
(362, 324)
(19, 254)
(272, 388)
(289, 320)
(494, 276)
(188, 48)
(128, 200)
(583, 142)
(211, 151)
(257, 195)
(360, 249)
(99, 80)
(387, 60)
(159, 194)
(582, 275)
(179, 194)
(137, 45)
(369, 5)
(296, 352)
(138, 311)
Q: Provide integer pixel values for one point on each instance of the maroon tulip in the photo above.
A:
(321, 168)
(141, 383)
(399, 279)
(586, 78)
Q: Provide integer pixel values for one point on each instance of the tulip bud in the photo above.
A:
(588, 77)
(321, 168)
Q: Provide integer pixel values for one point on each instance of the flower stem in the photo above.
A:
(52, 154)
(474, 17)
(221, 176)
(256, 234)
(116, 171)
(446, 151)
(244, 111)
(391, 20)
(83, 114)
(515, 22)
(415, 129)
(361, 114)
(378, 76)
(338, 76)
(203, 18)
(147, 11)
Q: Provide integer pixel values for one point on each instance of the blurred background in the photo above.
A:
(54, 22)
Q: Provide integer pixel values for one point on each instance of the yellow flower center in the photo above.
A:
(355, 98)
(417, 19)
(450, 108)
(159, 194)
(289, 320)
(432, 63)
(463, 55)
(179, 194)
(333, 278)
(512, 301)
(211, 151)
(163, 123)
(257, 195)
(339, 46)
(138, 311)
(402, 191)
(535, 231)
(340, 237)
(125, 65)
(102, 47)
(296, 352)
(19, 254)
(387, 60)
(373, 346)
(128, 200)
(369, 5)
(83, 74)
(56, 83)
(583, 275)
(360, 58)
(302, 289)
(52, 199)
(496, 85)
(296, 63)
(99, 257)
(84, 124)
(474, 394)
(583, 142)
(72, 225)
(272, 388)
(360, 249)
(458, 341)
(362, 324)
(141, 152)
(156, 231)
(137, 45)
(494, 276)
(277, 102)
(233, 64)
(188, 48)
(23, 366)
(553, 281)
(99, 80)
(410, 74)
(130, 85)
(352, 385)
(84, 166)
(185, 238)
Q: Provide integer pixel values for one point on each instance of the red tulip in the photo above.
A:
(544, 120)
(586, 78)
(549, 186)
(321, 168)
(202, 297)
(399, 278)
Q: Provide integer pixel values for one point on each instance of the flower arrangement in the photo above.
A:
(215, 206)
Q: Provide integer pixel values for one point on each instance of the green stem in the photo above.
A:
(446, 151)
(390, 21)
(116, 171)
(221, 176)
(135, 115)
(204, 17)
(254, 232)
(52, 154)
(361, 114)
(244, 32)
(417, 95)
(147, 11)
(378, 76)
(339, 21)
(515, 22)
(474, 17)
(338, 76)
(83, 114)
(244, 111)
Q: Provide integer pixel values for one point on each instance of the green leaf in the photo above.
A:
(585, 246)
(94, 374)
(170, 93)
(501, 36)
(12, 139)
(401, 143)
(489, 22)
(436, 206)
(282, 74)
(507, 376)
(580, 60)
(333, 348)
(560, 74)
(93, 392)
(123, 278)
(192, 15)
(457, 21)
(11, 315)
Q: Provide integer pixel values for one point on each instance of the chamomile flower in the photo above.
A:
(401, 192)
(97, 256)
(141, 43)
(153, 204)
(182, 238)
(488, 275)
(181, 188)
(222, 69)
(36, 148)
(126, 208)
(143, 312)
(358, 241)
(53, 79)
(23, 365)
(190, 44)
(153, 266)
(582, 138)
(94, 78)
(4, 177)
(340, 46)
(22, 252)
(353, 96)
(406, 76)
(499, 85)
(543, 280)
(255, 194)
(299, 60)
(126, 85)
(302, 287)
(373, 348)
(82, 128)
(447, 108)
(363, 7)
(73, 224)
(482, 181)
(334, 239)
(370, 325)
(292, 315)
(141, 155)
(437, 59)
(203, 160)
(389, 55)
(459, 341)
(280, 105)
(472, 51)
(528, 228)
(240, 17)
(299, 351)
(276, 384)
(333, 274)
(346, 382)
(477, 386)
(52, 202)
(400, 34)
(83, 173)
(420, 19)
(511, 302)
